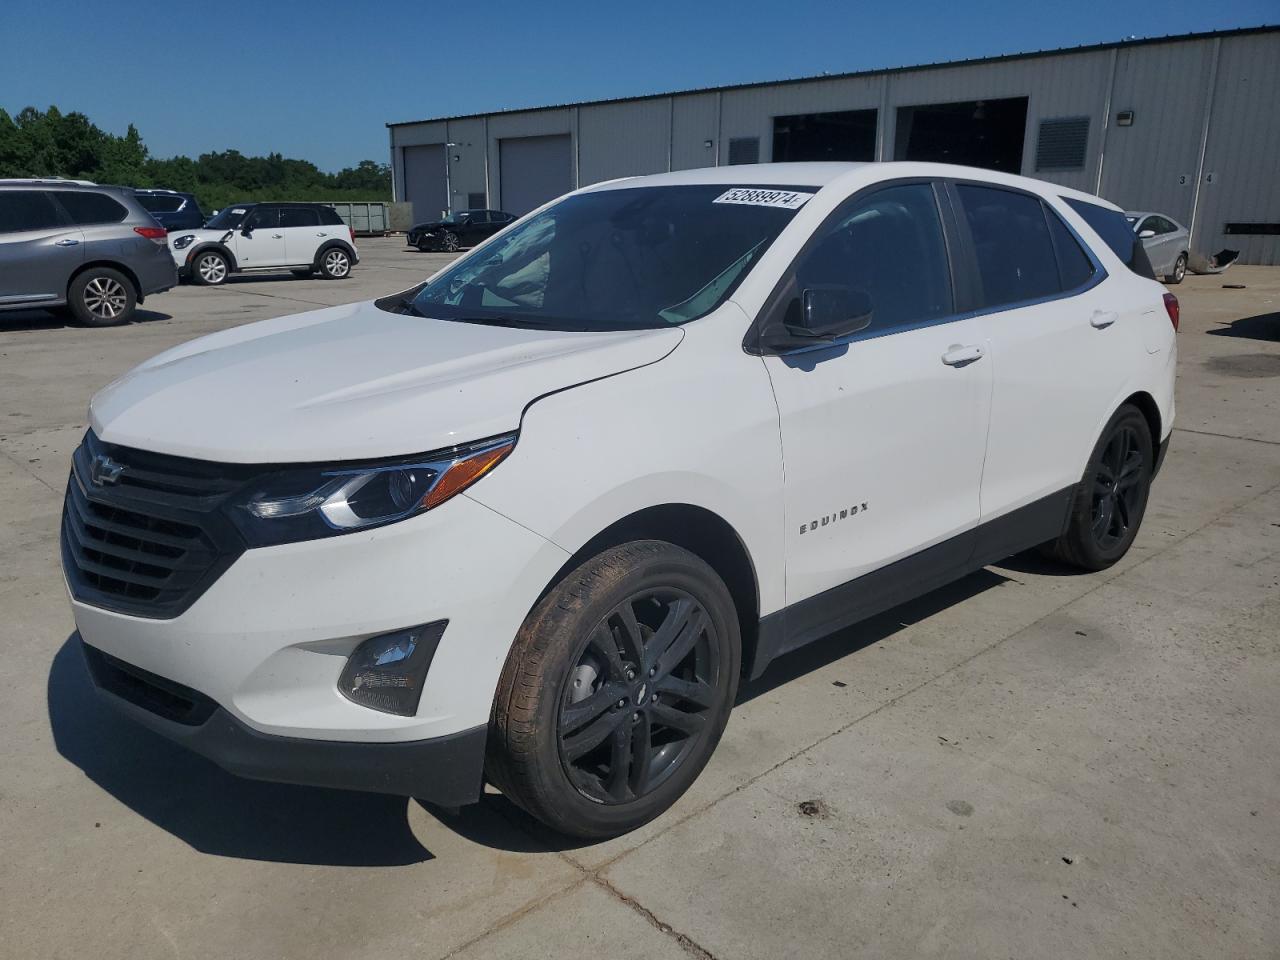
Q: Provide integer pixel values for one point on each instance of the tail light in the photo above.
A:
(156, 234)
(1171, 307)
(352, 231)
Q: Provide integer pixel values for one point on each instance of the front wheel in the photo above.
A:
(335, 263)
(1110, 501)
(209, 269)
(1179, 270)
(449, 242)
(616, 690)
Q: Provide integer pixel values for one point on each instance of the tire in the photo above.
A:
(102, 297)
(581, 672)
(1107, 511)
(210, 269)
(449, 242)
(1179, 270)
(335, 263)
(303, 274)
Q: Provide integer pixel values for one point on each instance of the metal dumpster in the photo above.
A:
(366, 219)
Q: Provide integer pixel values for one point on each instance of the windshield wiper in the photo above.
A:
(501, 321)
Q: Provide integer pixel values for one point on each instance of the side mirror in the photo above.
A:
(829, 311)
(1146, 234)
(246, 231)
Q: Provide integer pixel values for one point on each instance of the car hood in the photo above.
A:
(351, 383)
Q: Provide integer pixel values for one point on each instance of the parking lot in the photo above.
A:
(1027, 763)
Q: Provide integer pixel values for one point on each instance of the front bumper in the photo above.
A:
(268, 639)
(446, 770)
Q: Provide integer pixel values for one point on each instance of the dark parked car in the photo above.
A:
(73, 244)
(465, 228)
(173, 210)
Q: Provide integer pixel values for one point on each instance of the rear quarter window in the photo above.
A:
(329, 216)
(1116, 231)
(86, 208)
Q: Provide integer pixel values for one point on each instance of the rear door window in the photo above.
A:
(87, 208)
(1116, 232)
(1011, 240)
(27, 210)
(299, 217)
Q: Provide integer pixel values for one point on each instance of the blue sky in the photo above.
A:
(319, 79)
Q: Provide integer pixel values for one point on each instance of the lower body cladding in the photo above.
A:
(249, 676)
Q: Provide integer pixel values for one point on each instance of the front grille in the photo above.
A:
(152, 537)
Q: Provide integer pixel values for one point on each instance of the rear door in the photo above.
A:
(39, 249)
(260, 242)
(883, 432)
(1060, 347)
(303, 233)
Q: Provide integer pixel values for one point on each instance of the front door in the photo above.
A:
(883, 432)
(260, 241)
(38, 250)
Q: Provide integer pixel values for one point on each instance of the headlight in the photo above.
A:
(186, 240)
(307, 503)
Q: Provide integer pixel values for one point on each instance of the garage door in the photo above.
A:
(534, 170)
(424, 181)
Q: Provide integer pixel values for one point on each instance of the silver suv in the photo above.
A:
(72, 244)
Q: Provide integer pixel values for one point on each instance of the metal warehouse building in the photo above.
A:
(1188, 126)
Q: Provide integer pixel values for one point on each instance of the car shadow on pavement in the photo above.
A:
(51, 320)
(210, 809)
(1265, 327)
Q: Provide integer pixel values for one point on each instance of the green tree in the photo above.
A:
(50, 143)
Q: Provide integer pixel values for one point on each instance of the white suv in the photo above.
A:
(534, 519)
(305, 238)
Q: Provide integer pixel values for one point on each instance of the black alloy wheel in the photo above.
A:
(1109, 502)
(638, 697)
(1118, 491)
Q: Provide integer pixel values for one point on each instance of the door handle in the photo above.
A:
(66, 243)
(277, 236)
(961, 355)
(321, 234)
(1102, 319)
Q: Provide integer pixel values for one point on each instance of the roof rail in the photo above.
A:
(61, 180)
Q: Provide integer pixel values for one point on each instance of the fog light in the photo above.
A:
(387, 673)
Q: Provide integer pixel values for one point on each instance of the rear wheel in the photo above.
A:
(1111, 499)
(101, 297)
(1179, 270)
(616, 690)
(335, 264)
(209, 269)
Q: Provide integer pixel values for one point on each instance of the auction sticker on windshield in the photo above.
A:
(786, 199)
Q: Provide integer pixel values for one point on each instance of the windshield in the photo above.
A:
(615, 259)
(227, 219)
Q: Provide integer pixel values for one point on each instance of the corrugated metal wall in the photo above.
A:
(1241, 176)
(1153, 164)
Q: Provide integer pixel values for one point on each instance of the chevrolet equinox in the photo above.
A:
(532, 521)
